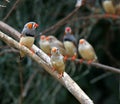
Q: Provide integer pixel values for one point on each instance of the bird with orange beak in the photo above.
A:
(70, 44)
(57, 61)
(54, 42)
(44, 45)
(86, 51)
(28, 36)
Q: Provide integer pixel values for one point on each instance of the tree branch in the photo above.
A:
(100, 66)
(27, 86)
(13, 7)
(61, 22)
(44, 61)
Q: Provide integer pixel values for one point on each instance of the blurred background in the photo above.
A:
(38, 86)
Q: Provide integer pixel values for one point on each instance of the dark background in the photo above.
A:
(103, 33)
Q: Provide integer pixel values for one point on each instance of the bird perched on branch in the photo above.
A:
(86, 51)
(70, 44)
(54, 42)
(57, 61)
(108, 6)
(117, 6)
(112, 7)
(44, 45)
(27, 37)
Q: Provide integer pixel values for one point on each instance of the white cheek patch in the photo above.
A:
(34, 25)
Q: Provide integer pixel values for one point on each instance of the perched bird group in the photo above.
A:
(57, 50)
(60, 52)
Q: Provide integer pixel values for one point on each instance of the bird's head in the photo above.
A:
(82, 41)
(50, 38)
(68, 30)
(42, 37)
(31, 25)
(54, 50)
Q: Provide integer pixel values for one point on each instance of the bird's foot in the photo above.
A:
(90, 61)
(73, 58)
(60, 75)
(107, 15)
(32, 51)
(49, 55)
(53, 69)
(65, 58)
(81, 60)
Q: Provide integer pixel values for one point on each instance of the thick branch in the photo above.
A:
(44, 61)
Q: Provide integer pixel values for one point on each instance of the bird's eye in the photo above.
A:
(30, 25)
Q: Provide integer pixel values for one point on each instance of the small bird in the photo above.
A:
(54, 42)
(117, 7)
(57, 61)
(86, 51)
(44, 45)
(70, 44)
(108, 6)
(27, 37)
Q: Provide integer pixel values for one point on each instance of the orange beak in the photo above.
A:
(81, 41)
(54, 49)
(47, 38)
(42, 37)
(36, 25)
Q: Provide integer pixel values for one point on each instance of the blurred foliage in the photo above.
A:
(104, 34)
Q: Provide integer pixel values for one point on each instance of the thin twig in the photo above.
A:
(65, 20)
(27, 86)
(11, 10)
(21, 83)
(101, 66)
(8, 51)
(100, 77)
(61, 22)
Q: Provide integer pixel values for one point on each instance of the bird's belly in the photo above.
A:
(27, 41)
(108, 6)
(87, 54)
(46, 49)
(59, 66)
(70, 48)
